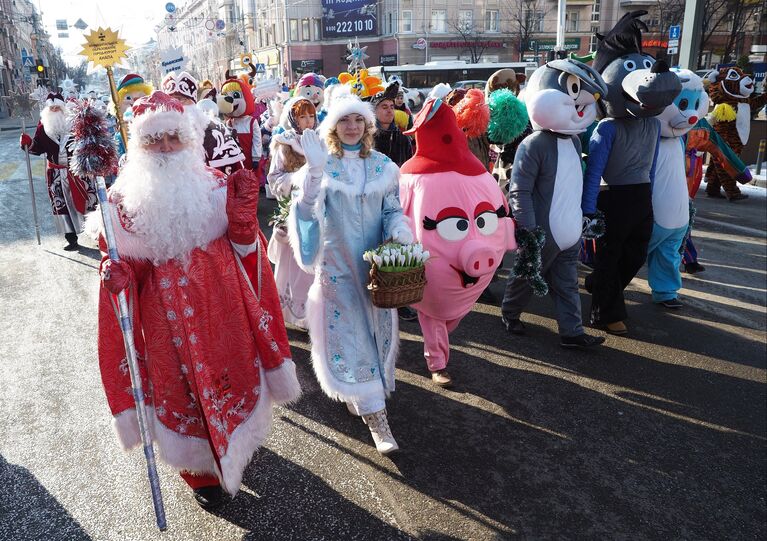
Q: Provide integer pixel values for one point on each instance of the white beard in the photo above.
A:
(55, 124)
(172, 202)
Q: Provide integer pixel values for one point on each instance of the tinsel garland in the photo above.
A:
(527, 263)
(508, 116)
(94, 153)
(594, 226)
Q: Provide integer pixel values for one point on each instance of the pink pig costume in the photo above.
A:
(460, 216)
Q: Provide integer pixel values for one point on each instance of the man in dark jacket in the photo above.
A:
(388, 139)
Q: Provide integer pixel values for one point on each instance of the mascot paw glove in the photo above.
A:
(593, 225)
(25, 141)
(115, 275)
(242, 206)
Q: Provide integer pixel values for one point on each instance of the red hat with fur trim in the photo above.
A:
(158, 114)
(440, 144)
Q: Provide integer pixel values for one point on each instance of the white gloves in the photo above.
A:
(401, 234)
(315, 154)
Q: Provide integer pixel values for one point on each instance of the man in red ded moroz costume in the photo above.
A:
(71, 196)
(461, 217)
(210, 338)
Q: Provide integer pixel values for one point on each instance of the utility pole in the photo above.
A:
(689, 52)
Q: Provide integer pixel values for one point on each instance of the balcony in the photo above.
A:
(636, 3)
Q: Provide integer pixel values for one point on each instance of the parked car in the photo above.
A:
(473, 83)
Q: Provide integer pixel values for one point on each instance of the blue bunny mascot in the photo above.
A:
(670, 197)
(622, 151)
(545, 195)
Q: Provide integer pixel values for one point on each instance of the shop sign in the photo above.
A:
(462, 44)
(313, 65)
(388, 60)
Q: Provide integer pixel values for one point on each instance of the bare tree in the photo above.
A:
(524, 17)
(718, 16)
(471, 36)
(740, 12)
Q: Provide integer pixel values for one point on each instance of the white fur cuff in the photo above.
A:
(283, 383)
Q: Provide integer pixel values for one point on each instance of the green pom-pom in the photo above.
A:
(508, 116)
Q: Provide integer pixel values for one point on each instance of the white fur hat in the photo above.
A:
(345, 103)
(159, 113)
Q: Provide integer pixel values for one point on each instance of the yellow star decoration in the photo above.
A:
(104, 47)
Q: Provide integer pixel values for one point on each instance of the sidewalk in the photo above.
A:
(11, 124)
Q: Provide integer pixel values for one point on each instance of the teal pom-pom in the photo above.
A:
(527, 263)
(508, 117)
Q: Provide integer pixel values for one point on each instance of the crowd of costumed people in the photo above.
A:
(382, 215)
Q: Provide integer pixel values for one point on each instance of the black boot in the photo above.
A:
(72, 240)
(210, 497)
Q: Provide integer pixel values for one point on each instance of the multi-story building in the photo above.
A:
(210, 33)
(291, 37)
(22, 35)
(294, 36)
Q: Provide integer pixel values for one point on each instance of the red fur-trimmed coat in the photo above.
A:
(213, 354)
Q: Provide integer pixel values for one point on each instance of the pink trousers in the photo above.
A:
(436, 340)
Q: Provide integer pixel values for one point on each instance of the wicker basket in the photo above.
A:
(396, 289)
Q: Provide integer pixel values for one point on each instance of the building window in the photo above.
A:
(491, 20)
(260, 38)
(305, 30)
(593, 39)
(571, 21)
(317, 29)
(534, 20)
(595, 11)
(390, 23)
(439, 20)
(465, 19)
(293, 29)
(407, 20)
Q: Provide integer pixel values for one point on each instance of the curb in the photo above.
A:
(9, 128)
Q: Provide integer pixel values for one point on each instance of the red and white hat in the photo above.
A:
(157, 114)
(54, 99)
(440, 144)
(181, 84)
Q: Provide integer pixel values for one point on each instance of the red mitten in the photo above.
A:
(115, 275)
(25, 141)
(242, 206)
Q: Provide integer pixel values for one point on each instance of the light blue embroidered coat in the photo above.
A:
(354, 344)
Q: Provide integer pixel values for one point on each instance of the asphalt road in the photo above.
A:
(655, 436)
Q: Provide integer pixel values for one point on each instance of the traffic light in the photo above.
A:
(39, 67)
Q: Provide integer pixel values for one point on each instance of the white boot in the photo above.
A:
(379, 428)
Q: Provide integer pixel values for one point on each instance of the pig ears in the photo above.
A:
(425, 114)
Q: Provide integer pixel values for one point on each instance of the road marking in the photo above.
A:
(758, 233)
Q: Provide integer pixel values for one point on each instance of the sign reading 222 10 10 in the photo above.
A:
(348, 18)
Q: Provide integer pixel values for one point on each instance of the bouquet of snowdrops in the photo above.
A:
(393, 257)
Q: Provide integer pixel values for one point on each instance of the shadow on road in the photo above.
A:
(299, 505)
(28, 510)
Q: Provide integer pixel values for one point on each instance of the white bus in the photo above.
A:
(427, 76)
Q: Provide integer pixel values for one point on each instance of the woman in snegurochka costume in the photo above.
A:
(287, 158)
(349, 203)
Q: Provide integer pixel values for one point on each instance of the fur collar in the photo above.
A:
(381, 175)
